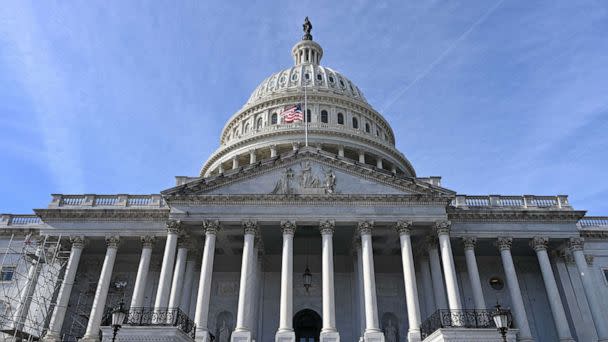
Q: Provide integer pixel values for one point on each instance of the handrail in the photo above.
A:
(525, 201)
(471, 319)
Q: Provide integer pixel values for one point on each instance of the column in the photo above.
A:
(449, 270)
(360, 294)
(273, 151)
(235, 162)
(599, 320)
(103, 285)
(295, 146)
(379, 163)
(252, 289)
(517, 302)
(539, 244)
(25, 297)
(427, 284)
(372, 327)
(473, 271)
(438, 287)
(409, 277)
(147, 243)
(54, 332)
(178, 278)
(166, 270)
(201, 317)
(220, 168)
(341, 151)
(285, 332)
(252, 156)
(329, 333)
(186, 300)
(361, 157)
(242, 333)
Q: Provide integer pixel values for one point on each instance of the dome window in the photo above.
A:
(307, 76)
(246, 129)
(367, 128)
(259, 123)
(342, 84)
(355, 123)
(308, 115)
(331, 79)
(340, 119)
(324, 116)
(377, 133)
(319, 77)
(294, 77)
(274, 119)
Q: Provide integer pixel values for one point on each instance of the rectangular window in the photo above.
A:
(7, 273)
(605, 273)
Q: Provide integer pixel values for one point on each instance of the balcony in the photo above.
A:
(142, 323)
(454, 325)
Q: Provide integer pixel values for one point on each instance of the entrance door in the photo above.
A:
(307, 325)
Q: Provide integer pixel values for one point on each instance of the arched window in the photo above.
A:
(258, 125)
(273, 119)
(324, 117)
(355, 123)
(246, 129)
(340, 119)
(366, 127)
(308, 115)
(377, 133)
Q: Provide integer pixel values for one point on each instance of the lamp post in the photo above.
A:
(501, 319)
(307, 277)
(118, 317)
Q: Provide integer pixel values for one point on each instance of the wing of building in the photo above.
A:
(304, 230)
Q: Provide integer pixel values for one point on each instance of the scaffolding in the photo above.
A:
(31, 272)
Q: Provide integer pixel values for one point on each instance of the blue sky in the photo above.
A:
(497, 97)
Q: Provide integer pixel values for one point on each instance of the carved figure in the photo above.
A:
(307, 179)
(390, 332)
(330, 181)
(307, 28)
(224, 335)
(284, 186)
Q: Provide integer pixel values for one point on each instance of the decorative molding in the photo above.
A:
(147, 241)
(594, 233)
(537, 215)
(365, 227)
(469, 242)
(443, 227)
(77, 241)
(576, 244)
(327, 227)
(288, 227)
(80, 215)
(589, 259)
(504, 243)
(112, 241)
(539, 243)
(403, 227)
(211, 226)
(184, 241)
(174, 227)
(250, 227)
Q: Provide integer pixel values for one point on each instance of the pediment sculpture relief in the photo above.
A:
(306, 181)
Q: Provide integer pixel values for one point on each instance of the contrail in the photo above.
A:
(443, 54)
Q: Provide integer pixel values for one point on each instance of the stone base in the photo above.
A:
(470, 335)
(145, 334)
(50, 337)
(202, 336)
(285, 336)
(413, 335)
(373, 336)
(330, 336)
(93, 338)
(241, 336)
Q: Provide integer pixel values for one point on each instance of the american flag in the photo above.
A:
(292, 113)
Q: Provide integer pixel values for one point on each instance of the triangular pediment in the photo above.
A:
(306, 173)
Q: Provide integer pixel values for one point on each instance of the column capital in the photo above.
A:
(250, 227)
(589, 259)
(327, 227)
(112, 241)
(174, 226)
(147, 241)
(288, 227)
(211, 226)
(403, 227)
(365, 227)
(576, 244)
(443, 227)
(469, 242)
(504, 243)
(539, 243)
(77, 241)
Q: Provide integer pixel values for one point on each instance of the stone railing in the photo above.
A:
(593, 222)
(470, 319)
(19, 220)
(136, 201)
(525, 201)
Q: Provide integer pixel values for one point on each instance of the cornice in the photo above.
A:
(51, 215)
(513, 215)
(594, 233)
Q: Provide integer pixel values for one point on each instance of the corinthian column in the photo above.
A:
(147, 243)
(372, 327)
(329, 333)
(285, 332)
(555, 302)
(599, 320)
(517, 302)
(242, 332)
(178, 277)
(201, 317)
(103, 285)
(166, 271)
(473, 271)
(409, 278)
(54, 332)
(449, 270)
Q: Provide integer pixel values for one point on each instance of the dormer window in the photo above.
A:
(340, 119)
(367, 129)
(274, 119)
(324, 116)
(355, 123)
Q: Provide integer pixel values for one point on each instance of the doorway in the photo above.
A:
(307, 326)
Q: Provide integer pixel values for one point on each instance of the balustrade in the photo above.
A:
(526, 201)
(154, 201)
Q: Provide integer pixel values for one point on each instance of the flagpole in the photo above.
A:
(305, 118)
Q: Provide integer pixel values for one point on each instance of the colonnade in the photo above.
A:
(442, 279)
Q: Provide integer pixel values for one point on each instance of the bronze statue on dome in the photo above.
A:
(307, 28)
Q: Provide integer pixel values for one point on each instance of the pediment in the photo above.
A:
(308, 173)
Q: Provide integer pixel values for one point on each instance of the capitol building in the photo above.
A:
(302, 230)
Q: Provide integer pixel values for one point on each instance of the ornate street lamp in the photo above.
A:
(501, 319)
(307, 277)
(118, 316)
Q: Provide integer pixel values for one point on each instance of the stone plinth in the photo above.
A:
(469, 335)
(146, 334)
